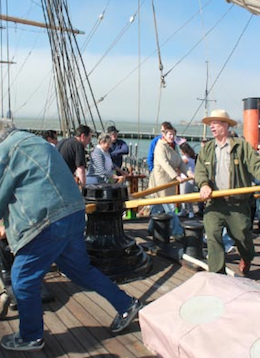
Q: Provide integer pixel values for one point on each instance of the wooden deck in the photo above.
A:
(77, 322)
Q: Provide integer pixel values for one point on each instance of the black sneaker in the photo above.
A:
(13, 342)
(4, 304)
(121, 321)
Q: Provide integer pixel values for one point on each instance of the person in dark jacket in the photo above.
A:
(226, 163)
(73, 152)
(118, 147)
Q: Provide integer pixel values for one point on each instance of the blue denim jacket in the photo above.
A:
(36, 187)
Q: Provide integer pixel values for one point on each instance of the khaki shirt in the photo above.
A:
(222, 166)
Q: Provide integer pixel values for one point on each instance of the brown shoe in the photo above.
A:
(244, 266)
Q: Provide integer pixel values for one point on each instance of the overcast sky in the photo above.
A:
(208, 36)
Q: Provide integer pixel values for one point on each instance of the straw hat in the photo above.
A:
(219, 115)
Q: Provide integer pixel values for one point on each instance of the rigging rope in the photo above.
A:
(87, 78)
(1, 55)
(94, 28)
(162, 80)
(197, 43)
(221, 70)
(203, 30)
(158, 46)
(116, 40)
(148, 57)
(68, 70)
(35, 3)
(33, 94)
(206, 100)
(9, 113)
(119, 36)
(24, 62)
(139, 69)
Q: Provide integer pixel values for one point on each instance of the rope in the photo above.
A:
(139, 69)
(116, 40)
(1, 54)
(60, 73)
(203, 29)
(69, 69)
(197, 43)
(221, 70)
(87, 78)
(33, 94)
(94, 28)
(24, 62)
(8, 64)
(158, 108)
(158, 47)
(151, 55)
(162, 83)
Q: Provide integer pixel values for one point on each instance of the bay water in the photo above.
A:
(140, 147)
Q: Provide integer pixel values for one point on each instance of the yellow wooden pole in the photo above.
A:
(185, 198)
(141, 194)
(193, 197)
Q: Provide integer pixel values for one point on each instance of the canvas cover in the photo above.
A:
(251, 5)
(208, 316)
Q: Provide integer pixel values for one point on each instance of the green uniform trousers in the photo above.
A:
(218, 214)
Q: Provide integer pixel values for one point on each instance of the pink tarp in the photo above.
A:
(209, 316)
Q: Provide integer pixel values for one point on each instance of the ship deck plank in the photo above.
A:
(76, 323)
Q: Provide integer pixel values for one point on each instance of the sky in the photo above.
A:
(194, 37)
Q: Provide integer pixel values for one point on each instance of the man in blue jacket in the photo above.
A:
(118, 147)
(44, 216)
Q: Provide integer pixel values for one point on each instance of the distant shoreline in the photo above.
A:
(149, 130)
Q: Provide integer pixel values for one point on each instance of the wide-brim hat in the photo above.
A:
(219, 115)
(112, 129)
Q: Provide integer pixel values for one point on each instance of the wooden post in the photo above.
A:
(133, 188)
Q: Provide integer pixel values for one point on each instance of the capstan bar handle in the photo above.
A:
(141, 194)
(193, 197)
(185, 198)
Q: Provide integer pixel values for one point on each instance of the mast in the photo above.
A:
(71, 78)
(206, 100)
(8, 63)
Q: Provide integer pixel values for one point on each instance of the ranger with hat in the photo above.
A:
(226, 163)
(118, 147)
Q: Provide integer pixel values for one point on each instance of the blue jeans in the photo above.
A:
(62, 242)
(93, 180)
(155, 209)
(227, 241)
(176, 227)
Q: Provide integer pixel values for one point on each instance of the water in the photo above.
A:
(144, 144)
(140, 147)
